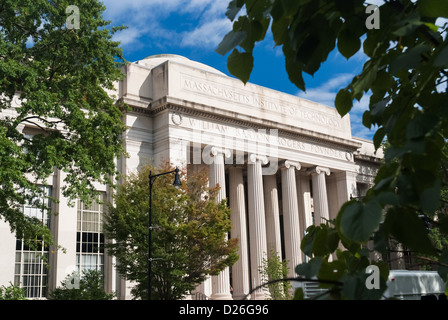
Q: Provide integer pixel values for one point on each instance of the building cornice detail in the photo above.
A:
(236, 119)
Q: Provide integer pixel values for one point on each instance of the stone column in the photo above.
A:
(345, 187)
(291, 216)
(221, 282)
(320, 199)
(240, 270)
(304, 201)
(273, 238)
(257, 222)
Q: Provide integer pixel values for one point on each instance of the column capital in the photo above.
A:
(289, 163)
(320, 170)
(217, 150)
(253, 158)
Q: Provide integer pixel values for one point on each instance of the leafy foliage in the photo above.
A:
(274, 268)
(12, 292)
(55, 80)
(88, 286)
(406, 74)
(188, 239)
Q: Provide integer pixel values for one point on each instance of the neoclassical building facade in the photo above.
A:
(284, 163)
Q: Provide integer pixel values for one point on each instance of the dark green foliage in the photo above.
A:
(56, 79)
(12, 292)
(274, 268)
(406, 75)
(189, 237)
(87, 286)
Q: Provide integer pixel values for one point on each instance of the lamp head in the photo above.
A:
(177, 183)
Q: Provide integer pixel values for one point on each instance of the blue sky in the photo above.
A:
(194, 28)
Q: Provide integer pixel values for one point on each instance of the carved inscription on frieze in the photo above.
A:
(230, 94)
(203, 128)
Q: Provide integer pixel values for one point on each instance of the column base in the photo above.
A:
(240, 296)
(221, 296)
(259, 296)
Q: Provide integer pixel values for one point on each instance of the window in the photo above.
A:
(89, 236)
(31, 270)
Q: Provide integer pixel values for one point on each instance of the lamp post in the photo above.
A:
(152, 178)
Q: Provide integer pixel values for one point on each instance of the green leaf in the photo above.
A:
(278, 29)
(309, 269)
(442, 58)
(443, 224)
(404, 224)
(230, 41)
(380, 240)
(433, 8)
(443, 270)
(358, 220)
(320, 241)
(343, 102)
(240, 64)
(354, 287)
(299, 294)
(378, 137)
(429, 198)
(363, 82)
(290, 6)
(420, 125)
(294, 73)
(332, 240)
(348, 43)
(409, 59)
(233, 9)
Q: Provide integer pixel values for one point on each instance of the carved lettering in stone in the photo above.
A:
(263, 137)
(228, 93)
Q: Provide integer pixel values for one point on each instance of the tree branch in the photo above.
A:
(433, 261)
(42, 119)
(291, 279)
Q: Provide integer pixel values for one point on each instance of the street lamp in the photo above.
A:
(152, 178)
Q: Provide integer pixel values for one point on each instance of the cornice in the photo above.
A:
(208, 112)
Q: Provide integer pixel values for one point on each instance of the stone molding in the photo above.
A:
(253, 158)
(217, 151)
(320, 170)
(289, 163)
(236, 119)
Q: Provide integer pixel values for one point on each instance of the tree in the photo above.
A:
(55, 79)
(189, 238)
(88, 286)
(274, 268)
(406, 74)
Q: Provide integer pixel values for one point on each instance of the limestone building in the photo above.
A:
(283, 162)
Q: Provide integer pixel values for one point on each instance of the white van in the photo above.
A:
(401, 285)
(415, 285)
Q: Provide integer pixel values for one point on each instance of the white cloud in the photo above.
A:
(146, 19)
(213, 25)
(207, 35)
(127, 36)
(327, 91)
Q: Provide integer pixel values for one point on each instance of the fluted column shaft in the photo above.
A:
(221, 282)
(304, 201)
(320, 198)
(257, 222)
(291, 216)
(273, 238)
(240, 270)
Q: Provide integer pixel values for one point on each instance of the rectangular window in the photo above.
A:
(89, 236)
(31, 270)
